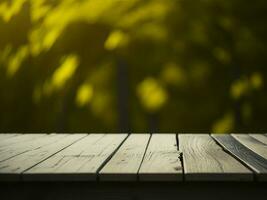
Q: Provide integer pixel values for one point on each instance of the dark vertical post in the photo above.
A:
(123, 96)
(153, 122)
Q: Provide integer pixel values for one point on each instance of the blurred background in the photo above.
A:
(133, 65)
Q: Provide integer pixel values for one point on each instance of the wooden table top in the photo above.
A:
(133, 157)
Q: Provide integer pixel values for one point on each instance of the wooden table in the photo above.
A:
(129, 165)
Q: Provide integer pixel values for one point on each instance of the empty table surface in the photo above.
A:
(133, 157)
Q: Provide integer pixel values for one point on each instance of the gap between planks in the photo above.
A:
(12, 168)
(145, 176)
(245, 155)
(205, 160)
(81, 161)
(162, 159)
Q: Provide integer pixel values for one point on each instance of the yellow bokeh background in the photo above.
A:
(132, 65)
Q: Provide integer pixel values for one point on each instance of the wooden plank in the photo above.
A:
(18, 145)
(260, 137)
(124, 165)
(204, 160)
(4, 136)
(12, 168)
(257, 163)
(161, 161)
(253, 144)
(80, 161)
(19, 139)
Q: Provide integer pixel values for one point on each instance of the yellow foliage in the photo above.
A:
(39, 9)
(225, 124)
(84, 94)
(153, 31)
(5, 53)
(116, 39)
(156, 9)
(16, 60)
(152, 94)
(244, 85)
(156, 30)
(65, 71)
(256, 80)
(51, 37)
(102, 74)
(43, 36)
(100, 103)
(222, 55)
(62, 74)
(9, 9)
(239, 88)
(173, 74)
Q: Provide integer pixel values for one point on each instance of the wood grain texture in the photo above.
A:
(161, 161)
(21, 144)
(80, 161)
(19, 139)
(253, 144)
(203, 159)
(260, 137)
(4, 136)
(124, 165)
(12, 168)
(257, 163)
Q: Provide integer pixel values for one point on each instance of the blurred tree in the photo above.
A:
(116, 65)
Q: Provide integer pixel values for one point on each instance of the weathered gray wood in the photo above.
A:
(124, 165)
(4, 136)
(203, 159)
(161, 161)
(260, 137)
(80, 161)
(252, 144)
(21, 144)
(72, 157)
(19, 139)
(257, 163)
(12, 168)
